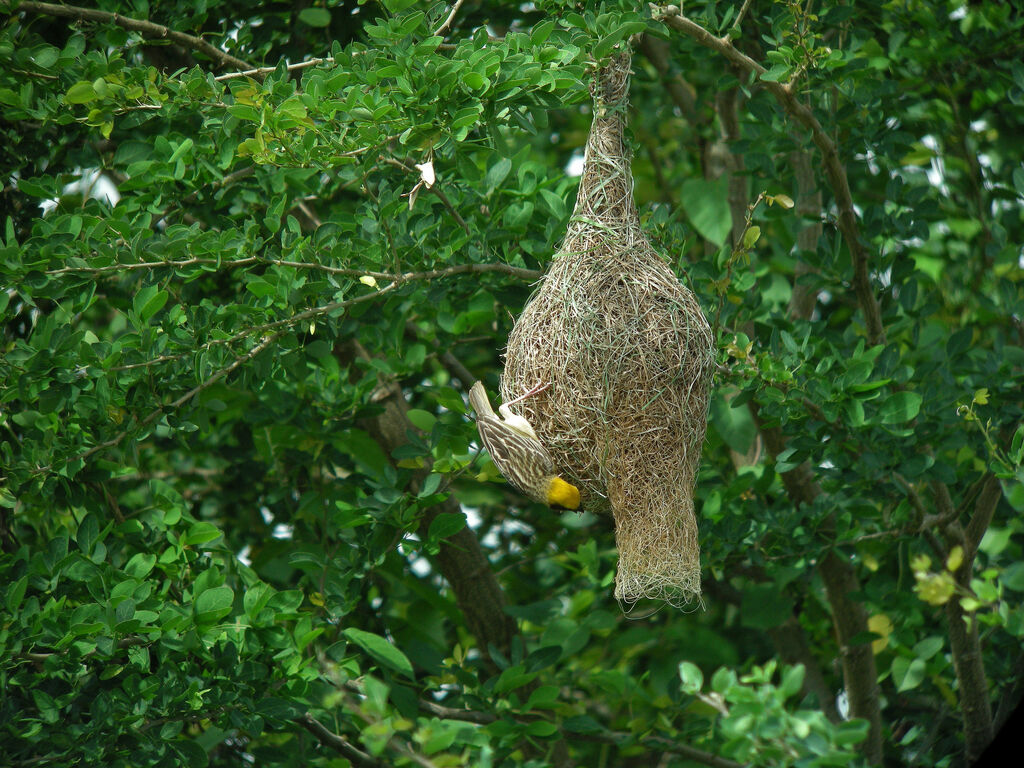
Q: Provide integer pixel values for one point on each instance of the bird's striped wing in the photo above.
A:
(522, 460)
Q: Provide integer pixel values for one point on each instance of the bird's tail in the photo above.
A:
(479, 401)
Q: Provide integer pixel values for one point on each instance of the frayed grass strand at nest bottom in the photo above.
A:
(629, 357)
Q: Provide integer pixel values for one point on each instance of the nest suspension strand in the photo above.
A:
(629, 357)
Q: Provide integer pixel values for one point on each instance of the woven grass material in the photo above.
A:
(629, 357)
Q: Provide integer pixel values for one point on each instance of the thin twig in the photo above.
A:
(833, 167)
(741, 14)
(436, 189)
(268, 70)
(277, 328)
(521, 272)
(160, 409)
(681, 92)
(145, 28)
(451, 17)
(330, 739)
(659, 743)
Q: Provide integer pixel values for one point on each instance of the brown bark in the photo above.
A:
(975, 701)
(860, 676)
(146, 28)
(832, 164)
(461, 560)
(808, 205)
(681, 92)
(849, 619)
(791, 643)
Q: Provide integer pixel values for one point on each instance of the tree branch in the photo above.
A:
(616, 738)
(395, 277)
(161, 409)
(443, 29)
(808, 205)
(834, 170)
(145, 28)
(332, 740)
(260, 71)
(968, 663)
(860, 675)
(984, 508)
(681, 92)
(461, 559)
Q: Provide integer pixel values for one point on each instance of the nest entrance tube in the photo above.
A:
(629, 356)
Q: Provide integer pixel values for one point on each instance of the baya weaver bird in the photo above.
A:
(517, 451)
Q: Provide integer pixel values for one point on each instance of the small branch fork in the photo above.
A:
(273, 331)
(145, 28)
(655, 743)
(398, 277)
(833, 166)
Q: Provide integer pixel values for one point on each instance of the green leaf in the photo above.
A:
(707, 205)
(213, 604)
(87, 534)
(1012, 577)
(421, 419)
(542, 728)
(542, 32)
(851, 732)
(475, 81)
(148, 301)
(430, 485)
(1018, 180)
(605, 45)
(907, 673)
(735, 425)
(543, 697)
(381, 650)
(256, 599)
(260, 287)
(1013, 490)
(554, 203)
(15, 594)
(582, 724)
(140, 564)
(184, 148)
(512, 678)
(81, 92)
(446, 524)
(496, 174)
(315, 17)
(792, 681)
(191, 753)
(200, 533)
(411, 22)
(691, 676)
(751, 236)
(900, 407)
(776, 73)
(928, 647)
(765, 606)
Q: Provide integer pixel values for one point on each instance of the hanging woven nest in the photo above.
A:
(629, 355)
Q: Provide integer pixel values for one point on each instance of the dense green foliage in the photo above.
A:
(236, 461)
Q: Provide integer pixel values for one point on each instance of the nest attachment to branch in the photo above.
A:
(629, 355)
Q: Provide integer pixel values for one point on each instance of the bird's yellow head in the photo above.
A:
(562, 495)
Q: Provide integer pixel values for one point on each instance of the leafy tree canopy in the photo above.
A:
(253, 255)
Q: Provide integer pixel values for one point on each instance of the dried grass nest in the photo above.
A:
(629, 356)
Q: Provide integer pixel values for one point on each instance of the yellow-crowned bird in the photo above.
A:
(519, 454)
